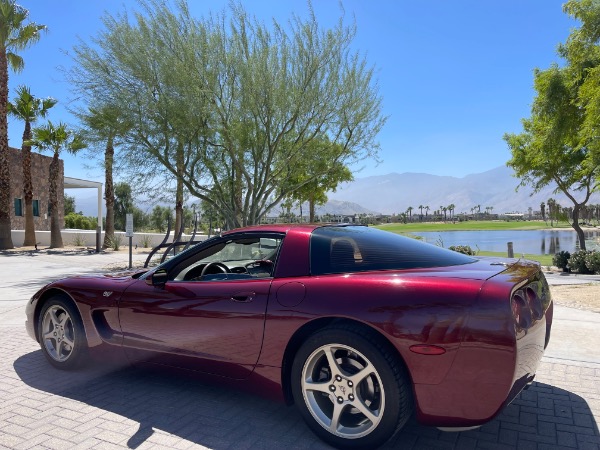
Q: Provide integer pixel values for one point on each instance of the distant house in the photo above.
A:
(40, 174)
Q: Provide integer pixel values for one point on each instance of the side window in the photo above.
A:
(18, 207)
(350, 249)
(235, 259)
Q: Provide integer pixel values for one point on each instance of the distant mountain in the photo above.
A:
(341, 207)
(394, 192)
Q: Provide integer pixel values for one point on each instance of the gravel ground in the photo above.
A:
(580, 296)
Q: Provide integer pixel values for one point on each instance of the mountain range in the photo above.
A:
(496, 188)
(395, 192)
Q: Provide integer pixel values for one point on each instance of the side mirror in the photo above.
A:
(158, 278)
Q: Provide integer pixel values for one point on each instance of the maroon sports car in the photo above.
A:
(358, 327)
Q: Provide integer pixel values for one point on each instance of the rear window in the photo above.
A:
(359, 249)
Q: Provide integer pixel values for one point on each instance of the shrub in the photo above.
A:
(464, 249)
(577, 262)
(79, 240)
(115, 242)
(561, 260)
(592, 262)
(145, 241)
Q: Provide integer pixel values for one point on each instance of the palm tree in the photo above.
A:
(451, 207)
(426, 209)
(551, 210)
(15, 35)
(105, 124)
(421, 212)
(55, 139)
(28, 108)
(409, 211)
(543, 211)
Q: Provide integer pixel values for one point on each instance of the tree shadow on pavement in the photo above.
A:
(216, 417)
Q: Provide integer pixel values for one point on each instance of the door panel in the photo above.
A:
(210, 326)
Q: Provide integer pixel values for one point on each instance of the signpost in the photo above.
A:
(129, 234)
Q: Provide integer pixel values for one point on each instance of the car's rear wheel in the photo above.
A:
(351, 390)
(61, 334)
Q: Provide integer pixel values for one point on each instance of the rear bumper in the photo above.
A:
(495, 362)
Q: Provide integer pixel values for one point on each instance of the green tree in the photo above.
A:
(15, 35)
(559, 143)
(320, 159)
(69, 203)
(123, 204)
(28, 108)
(159, 218)
(104, 125)
(229, 105)
(55, 139)
(141, 220)
(551, 148)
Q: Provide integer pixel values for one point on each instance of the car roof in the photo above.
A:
(276, 228)
(286, 227)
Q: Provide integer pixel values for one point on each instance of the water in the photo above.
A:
(537, 242)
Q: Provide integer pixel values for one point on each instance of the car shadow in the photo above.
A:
(204, 413)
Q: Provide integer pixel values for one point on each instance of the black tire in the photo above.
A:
(382, 391)
(61, 334)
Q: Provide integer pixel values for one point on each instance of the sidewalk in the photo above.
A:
(23, 273)
(556, 278)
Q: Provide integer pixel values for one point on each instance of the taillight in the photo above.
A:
(520, 310)
(535, 303)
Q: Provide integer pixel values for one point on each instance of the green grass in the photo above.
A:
(544, 260)
(471, 225)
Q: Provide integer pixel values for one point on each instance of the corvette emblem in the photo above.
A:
(107, 293)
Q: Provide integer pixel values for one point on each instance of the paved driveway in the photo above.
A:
(124, 407)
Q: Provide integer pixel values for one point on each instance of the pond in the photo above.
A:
(537, 242)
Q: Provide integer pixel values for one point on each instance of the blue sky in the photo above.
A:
(454, 75)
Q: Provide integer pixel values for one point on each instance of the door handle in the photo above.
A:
(243, 296)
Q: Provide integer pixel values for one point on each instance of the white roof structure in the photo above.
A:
(75, 183)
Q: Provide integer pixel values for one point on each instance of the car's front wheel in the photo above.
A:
(351, 390)
(61, 334)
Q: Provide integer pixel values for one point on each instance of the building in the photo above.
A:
(40, 174)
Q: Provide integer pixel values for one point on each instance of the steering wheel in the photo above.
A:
(259, 263)
(222, 268)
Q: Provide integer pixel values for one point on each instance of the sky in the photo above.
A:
(454, 75)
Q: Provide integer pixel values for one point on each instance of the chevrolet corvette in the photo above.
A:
(358, 327)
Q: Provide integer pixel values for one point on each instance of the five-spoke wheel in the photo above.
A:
(61, 334)
(352, 392)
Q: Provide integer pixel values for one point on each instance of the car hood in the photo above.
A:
(114, 282)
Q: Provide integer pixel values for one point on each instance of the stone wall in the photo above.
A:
(40, 174)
